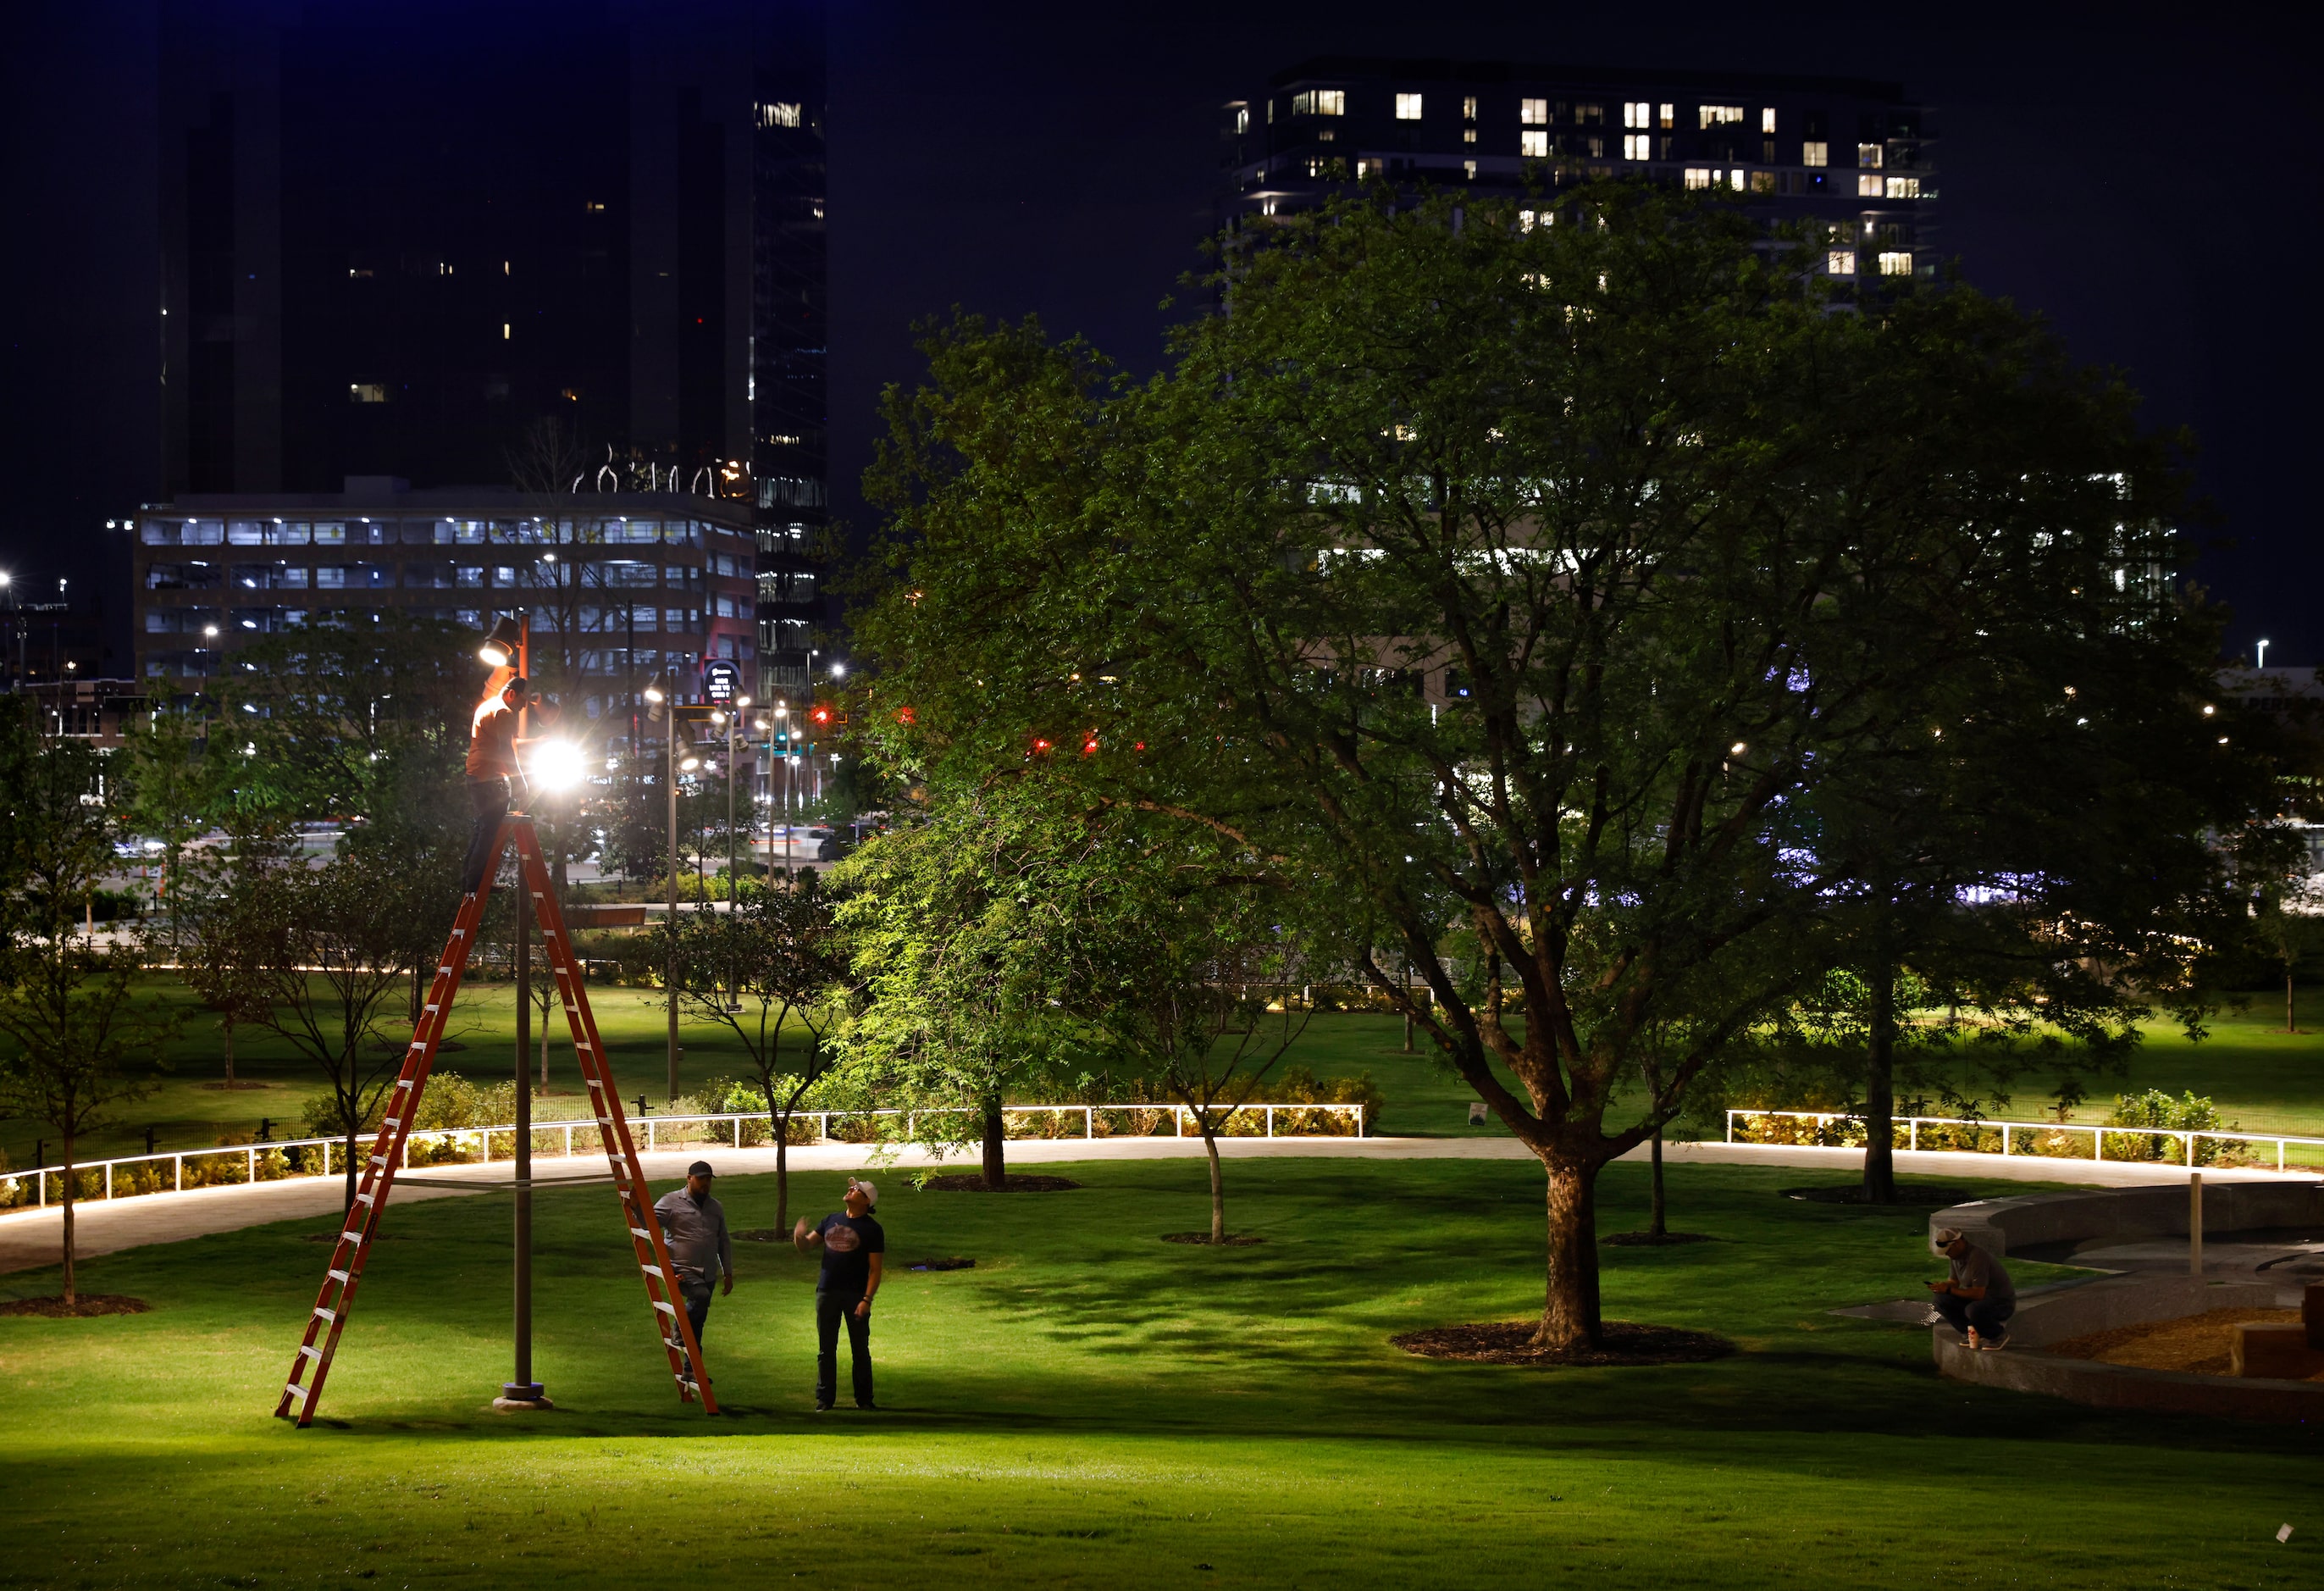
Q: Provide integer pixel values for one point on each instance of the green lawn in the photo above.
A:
(2262, 1077)
(1090, 1406)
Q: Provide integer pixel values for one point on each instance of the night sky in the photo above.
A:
(2148, 182)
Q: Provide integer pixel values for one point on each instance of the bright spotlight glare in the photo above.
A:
(557, 764)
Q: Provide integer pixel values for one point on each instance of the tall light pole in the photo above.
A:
(658, 693)
(2263, 657)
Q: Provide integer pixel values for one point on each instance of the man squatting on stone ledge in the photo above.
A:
(1978, 1298)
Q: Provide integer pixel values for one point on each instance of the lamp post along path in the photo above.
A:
(522, 1391)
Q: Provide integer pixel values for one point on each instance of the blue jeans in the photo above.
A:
(488, 800)
(1989, 1316)
(830, 1310)
(697, 1295)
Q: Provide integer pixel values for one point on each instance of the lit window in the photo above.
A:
(1896, 265)
(1903, 188)
(1634, 146)
(1469, 167)
(1700, 176)
(366, 391)
(1720, 115)
(595, 206)
(1242, 120)
(1469, 109)
(1665, 115)
(1763, 181)
(1637, 112)
(1534, 146)
(504, 332)
(1768, 120)
(1468, 134)
(1588, 115)
(1534, 113)
(1408, 108)
(1320, 102)
(1868, 155)
(1868, 188)
(1528, 219)
(1840, 262)
(1368, 168)
(778, 115)
(1816, 152)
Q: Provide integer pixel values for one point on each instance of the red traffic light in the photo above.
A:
(822, 714)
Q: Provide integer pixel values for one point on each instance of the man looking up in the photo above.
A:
(693, 1224)
(852, 1243)
(492, 746)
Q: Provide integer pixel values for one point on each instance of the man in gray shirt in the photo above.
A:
(693, 1224)
(1977, 1297)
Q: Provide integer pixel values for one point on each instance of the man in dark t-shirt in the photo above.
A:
(1977, 1297)
(853, 1243)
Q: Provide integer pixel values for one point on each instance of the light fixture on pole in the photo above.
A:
(500, 647)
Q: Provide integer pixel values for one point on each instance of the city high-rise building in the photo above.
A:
(1855, 158)
(479, 245)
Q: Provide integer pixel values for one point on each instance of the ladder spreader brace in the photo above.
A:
(345, 1273)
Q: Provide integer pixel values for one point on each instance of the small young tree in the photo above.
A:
(220, 937)
(773, 963)
(956, 988)
(331, 955)
(1183, 962)
(70, 1011)
(166, 789)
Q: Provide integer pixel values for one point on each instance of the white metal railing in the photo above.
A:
(561, 1133)
(2098, 1132)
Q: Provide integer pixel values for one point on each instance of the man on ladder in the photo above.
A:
(492, 746)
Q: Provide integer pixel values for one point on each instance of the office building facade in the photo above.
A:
(619, 585)
(402, 241)
(1853, 161)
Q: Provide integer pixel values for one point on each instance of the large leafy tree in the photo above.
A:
(1537, 574)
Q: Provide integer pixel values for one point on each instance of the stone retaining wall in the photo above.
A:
(2003, 1225)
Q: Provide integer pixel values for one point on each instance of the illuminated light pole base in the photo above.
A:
(526, 1395)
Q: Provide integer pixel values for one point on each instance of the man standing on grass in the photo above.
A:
(1978, 1298)
(693, 1224)
(852, 1243)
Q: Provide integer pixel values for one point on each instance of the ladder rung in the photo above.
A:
(296, 1391)
(350, 1237)
(364, 1198)
(393, 1122)
(326, 1314)
(310, 1350)
(665, 1308)
(593, 1082)
(406, 1082)
(654, 1270)
(432, 1005)
(642, 1235)
(379, 1159)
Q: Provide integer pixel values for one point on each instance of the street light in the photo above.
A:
(500, 647)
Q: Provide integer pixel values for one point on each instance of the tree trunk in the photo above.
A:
(415, 995)
(2290, 1026)
(1880, 1089)
(996, 1153)
(1218, 1188)
(71, 1293)
(544, 1052)
(228, 1026)
(1569, 1310)
(355, 1125)
(1657, 1224)
(1408, 1033)
(783, 1172)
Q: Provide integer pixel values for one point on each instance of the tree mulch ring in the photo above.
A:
(973, 1182)
(764, 1235)
(1511, 1342)
(1655, 1239)
(1853, 1193)
(88, 1303)
(443, 1046)
(1231, 1240)
(239, 1086)
(950, 1263)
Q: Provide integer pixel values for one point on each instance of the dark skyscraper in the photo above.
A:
(398, 239)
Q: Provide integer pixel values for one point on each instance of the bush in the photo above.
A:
(2156, 1109)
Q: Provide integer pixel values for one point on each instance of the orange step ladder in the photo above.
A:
(345, 1273)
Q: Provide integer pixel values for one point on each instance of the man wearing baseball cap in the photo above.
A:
(852, 1243)
(1978, 1298)
(693, 1224)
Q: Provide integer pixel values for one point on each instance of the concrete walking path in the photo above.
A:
(30, 1239)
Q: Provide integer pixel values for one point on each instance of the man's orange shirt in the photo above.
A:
(492, 742)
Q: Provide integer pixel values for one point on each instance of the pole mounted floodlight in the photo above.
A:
(500, 647)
